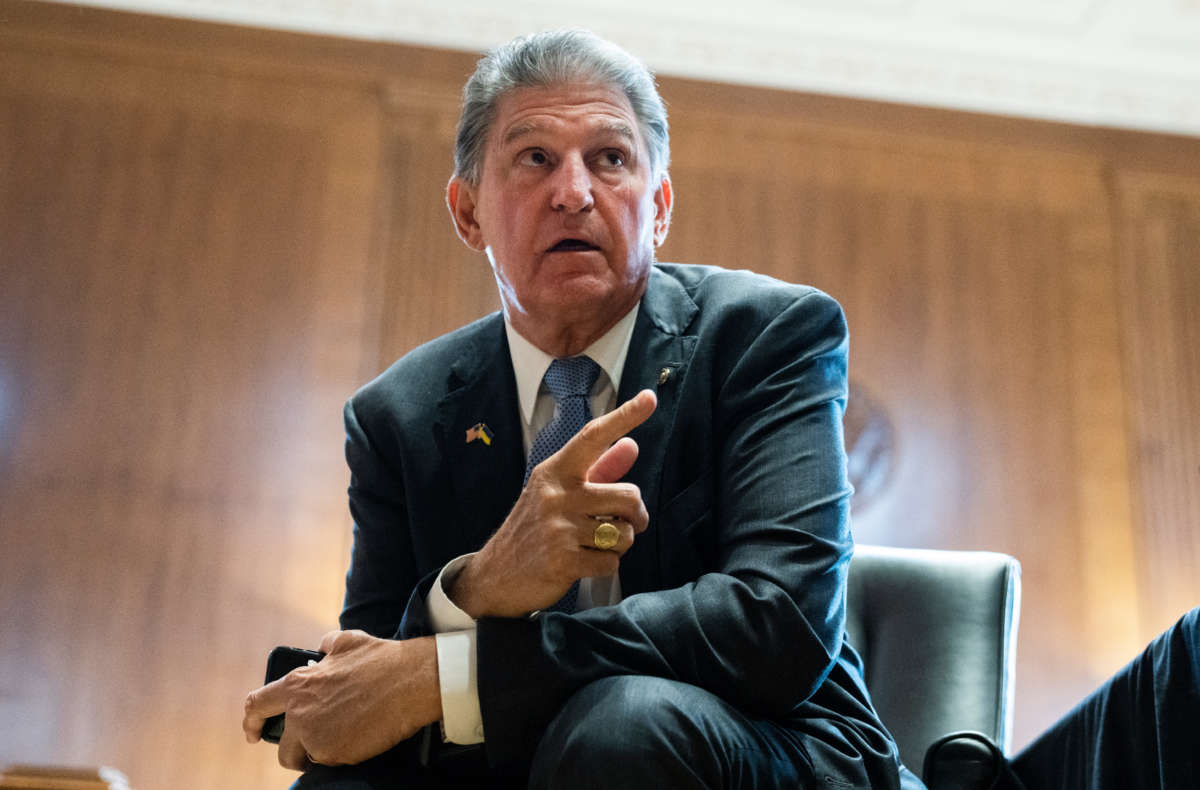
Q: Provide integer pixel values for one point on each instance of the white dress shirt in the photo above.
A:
(462, 721)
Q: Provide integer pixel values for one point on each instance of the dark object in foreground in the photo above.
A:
(281, 661)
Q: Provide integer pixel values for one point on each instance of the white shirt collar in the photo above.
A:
(530, 362)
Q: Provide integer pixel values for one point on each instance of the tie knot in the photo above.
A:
(573, 376)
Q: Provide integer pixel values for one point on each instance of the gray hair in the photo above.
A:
(552, 58)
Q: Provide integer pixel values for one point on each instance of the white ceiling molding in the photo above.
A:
(1121, 63)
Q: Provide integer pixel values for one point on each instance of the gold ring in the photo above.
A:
(605, 536)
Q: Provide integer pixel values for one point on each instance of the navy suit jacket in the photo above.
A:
(738, 586)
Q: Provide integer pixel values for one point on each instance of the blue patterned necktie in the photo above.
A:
(570, 381)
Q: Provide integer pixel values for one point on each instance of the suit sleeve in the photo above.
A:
(382, 570)
(761, 624)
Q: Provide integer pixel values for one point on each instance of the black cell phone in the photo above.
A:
(281, 661)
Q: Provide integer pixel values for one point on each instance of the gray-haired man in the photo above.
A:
(662, 602)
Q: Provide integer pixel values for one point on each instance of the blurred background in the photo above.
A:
(218, 219)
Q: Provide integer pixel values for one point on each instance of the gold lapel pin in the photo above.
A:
(663, 375)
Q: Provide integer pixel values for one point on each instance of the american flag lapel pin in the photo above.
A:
(481, 432)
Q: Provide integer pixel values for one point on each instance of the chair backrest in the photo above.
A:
(937, 631)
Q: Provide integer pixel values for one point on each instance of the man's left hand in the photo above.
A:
(364, 697)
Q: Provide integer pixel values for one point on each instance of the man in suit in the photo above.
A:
(656, 598)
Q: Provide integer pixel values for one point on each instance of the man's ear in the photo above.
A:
(663, 200)
(460, 199)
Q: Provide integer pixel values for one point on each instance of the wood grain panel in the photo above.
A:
(185, 284)
(434, 283)
(980, 316)
(1160, 278)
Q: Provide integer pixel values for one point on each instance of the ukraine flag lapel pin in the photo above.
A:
(481, 432)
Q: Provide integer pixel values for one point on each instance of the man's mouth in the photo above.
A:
(573, 245)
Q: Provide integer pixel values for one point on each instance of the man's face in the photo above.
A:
(566, 206)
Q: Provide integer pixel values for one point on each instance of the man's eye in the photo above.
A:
(613, 158)
(534, 157)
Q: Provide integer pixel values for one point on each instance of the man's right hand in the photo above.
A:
(545, 545)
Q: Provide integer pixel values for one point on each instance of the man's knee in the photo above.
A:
(626, 731)
(1189, 632)
(1173, 659)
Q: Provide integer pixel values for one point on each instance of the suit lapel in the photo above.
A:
(659, 354)
(486, 477)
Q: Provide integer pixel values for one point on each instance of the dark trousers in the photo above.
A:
(399, 769)
(1139, 731)
(621, 732)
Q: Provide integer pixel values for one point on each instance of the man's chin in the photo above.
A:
(573, 302)
(581, 299)
(581, 286)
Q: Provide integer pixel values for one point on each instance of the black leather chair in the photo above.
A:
(937, 631)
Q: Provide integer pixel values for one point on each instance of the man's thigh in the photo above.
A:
(358, 777)
(637, 731)
(389, 770)
(1135, 731)
(400, 770)
(349, 777)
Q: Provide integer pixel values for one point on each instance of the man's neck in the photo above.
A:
(565, 341)
(567, 338)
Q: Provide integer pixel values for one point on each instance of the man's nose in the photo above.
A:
(572, 186)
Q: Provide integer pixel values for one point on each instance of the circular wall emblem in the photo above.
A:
(870, 445)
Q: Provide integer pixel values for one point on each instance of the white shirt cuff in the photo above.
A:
(443, 614)
(462, 720)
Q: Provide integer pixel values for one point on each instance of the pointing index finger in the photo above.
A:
(582, 450)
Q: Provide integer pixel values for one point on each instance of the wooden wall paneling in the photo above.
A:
(979, 282)
(1104, 558)
(433, 282)
(184, 304)
(1159, 216)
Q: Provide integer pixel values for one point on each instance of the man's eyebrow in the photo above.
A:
(520, 130)
(619, 128)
